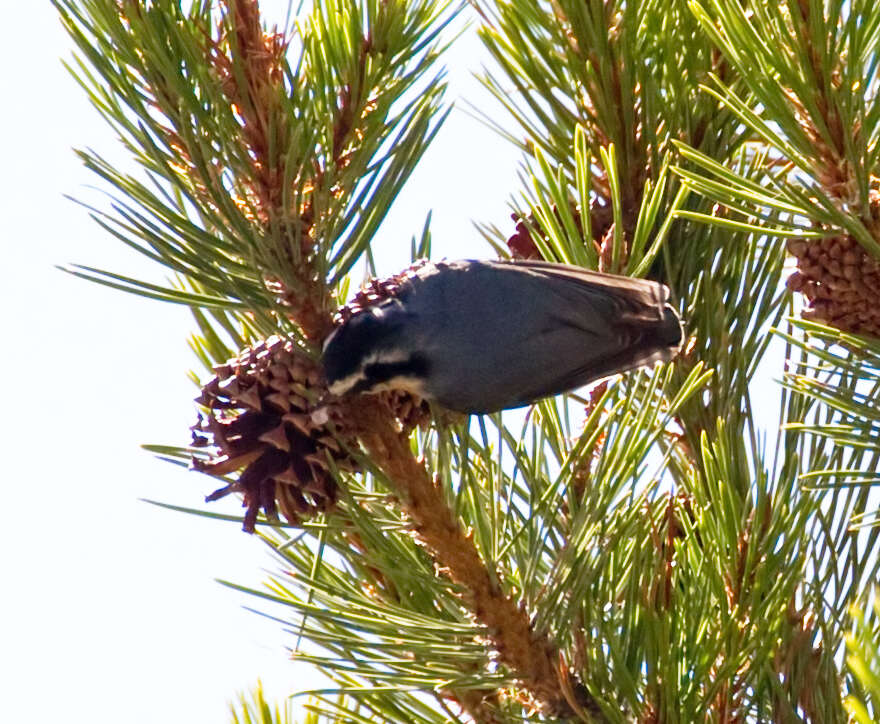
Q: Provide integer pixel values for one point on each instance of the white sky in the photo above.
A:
(110, 611)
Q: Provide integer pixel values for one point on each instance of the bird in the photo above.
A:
(480, 336)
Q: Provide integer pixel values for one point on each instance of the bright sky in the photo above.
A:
(111, 612)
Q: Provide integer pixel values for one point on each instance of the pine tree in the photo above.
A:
(655, 552)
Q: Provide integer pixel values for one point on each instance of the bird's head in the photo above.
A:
(369, 353)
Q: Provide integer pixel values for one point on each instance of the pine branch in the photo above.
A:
(810, 65)
(265, 177)
(533, 659)
(811, 68)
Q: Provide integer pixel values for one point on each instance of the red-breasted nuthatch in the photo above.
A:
(481, 336)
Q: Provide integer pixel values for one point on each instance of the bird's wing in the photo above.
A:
(605, 324)
(642, 297)
(614, 361)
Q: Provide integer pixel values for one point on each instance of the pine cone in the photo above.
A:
(263, 418)
(521, 243)
(376, 291)
(840, 280)
(523, 246)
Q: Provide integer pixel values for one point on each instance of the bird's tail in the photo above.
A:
(649, 328)
(637, 311)
(657, 340)
(671, 331)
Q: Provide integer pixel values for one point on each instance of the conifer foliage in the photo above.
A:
(680, 545)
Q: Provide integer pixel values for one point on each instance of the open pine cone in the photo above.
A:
(269, 418)
(522, 245)
(263, 418)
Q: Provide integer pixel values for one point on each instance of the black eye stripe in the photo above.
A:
(378, 372)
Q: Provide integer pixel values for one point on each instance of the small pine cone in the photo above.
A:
(838, 278)
(523, 245)
(376, 291)
(262, 419)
